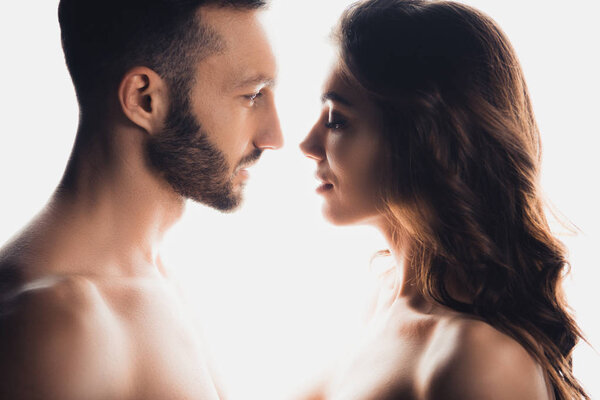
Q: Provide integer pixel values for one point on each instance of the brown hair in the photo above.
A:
(463, 155)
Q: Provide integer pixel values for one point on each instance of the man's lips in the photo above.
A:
(249, 160)
(243, 173)
(242, 169)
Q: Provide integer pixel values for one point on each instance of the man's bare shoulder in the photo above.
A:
(469, 359)
(56, 336)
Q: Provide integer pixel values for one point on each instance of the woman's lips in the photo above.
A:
(325, 187)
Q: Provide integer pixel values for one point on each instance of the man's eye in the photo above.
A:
(253, 96)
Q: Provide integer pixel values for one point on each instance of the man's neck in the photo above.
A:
(114, 211)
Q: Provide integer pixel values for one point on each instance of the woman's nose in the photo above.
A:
(312, 146)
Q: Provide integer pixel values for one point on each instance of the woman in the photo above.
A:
(427, 133)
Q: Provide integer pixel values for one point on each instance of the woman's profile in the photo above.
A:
(427, 132)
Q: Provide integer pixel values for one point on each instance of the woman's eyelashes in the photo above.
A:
(335, 122)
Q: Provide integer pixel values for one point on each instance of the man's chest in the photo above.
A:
(166, 356)
(171, 366)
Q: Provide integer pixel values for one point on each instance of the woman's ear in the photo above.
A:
(143, 98)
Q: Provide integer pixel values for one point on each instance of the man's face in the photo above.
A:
(227, 119)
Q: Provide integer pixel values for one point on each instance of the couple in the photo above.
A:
(426, 132)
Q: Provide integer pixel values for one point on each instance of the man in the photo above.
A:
(175, 102)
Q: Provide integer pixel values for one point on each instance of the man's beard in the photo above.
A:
(194, 167)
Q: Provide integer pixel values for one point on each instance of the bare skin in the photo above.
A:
(87, 309)
(416, 350)
(412, 348)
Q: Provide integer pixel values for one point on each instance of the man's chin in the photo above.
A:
(225, 204)
(231, 207)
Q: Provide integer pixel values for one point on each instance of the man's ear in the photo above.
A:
(143, 98)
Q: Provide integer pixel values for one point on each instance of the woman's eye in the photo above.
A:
(335, 121)
(334, 125)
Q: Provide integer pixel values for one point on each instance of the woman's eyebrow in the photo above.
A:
(336, 97)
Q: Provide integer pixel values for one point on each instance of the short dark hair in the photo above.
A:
(102, 39)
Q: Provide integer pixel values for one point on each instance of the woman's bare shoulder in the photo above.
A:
(466, 358)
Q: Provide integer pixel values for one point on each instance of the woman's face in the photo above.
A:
(345, 143)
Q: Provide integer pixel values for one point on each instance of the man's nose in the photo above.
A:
(270, 136)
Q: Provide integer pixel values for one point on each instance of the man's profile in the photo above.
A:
(175, 101)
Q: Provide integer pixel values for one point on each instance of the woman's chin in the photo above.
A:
(337, 221)
(334, 215)
(341, 217)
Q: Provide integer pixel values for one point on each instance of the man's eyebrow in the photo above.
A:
(334, 96)
(255, 80)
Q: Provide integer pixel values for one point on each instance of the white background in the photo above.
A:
(277, 290)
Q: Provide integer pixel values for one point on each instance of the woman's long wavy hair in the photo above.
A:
(463, 150)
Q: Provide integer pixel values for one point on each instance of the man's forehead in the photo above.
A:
(229, 22)
(238, 71)
(245, 58)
